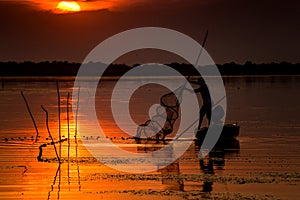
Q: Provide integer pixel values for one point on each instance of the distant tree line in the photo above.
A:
(46, 68)
(249, 68)
(57, 68)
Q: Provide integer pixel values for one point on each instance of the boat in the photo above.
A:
(229, 131)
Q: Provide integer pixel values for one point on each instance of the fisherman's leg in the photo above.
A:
(208, 113)
(201, 115)
(200, 121)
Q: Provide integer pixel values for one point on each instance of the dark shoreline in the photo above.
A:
(54, 69)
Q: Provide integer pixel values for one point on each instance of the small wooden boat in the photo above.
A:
(229, 131)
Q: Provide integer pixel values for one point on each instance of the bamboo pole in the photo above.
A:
(68, 122)
(31, 115)
(76, 142)
(59, 124)
(203, 44)
(76, 117)
(59, 182)
(47, 125)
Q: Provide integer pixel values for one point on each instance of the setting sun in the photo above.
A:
(68, 6)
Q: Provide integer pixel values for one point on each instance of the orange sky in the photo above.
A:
(260, 31)
(88, 5)
(85, 5)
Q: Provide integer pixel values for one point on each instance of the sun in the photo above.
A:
(68, 6)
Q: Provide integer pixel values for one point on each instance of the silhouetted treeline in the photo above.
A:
(70, 69)
(249, 68)
(38, 69)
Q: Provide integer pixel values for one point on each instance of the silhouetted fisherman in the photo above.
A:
(206, 107)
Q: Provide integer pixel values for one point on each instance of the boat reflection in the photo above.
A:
(214, 162)
(207, 168)
(176, 182)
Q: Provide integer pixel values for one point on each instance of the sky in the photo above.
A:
(239, 30)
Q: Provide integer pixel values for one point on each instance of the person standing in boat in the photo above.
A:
(206, 106)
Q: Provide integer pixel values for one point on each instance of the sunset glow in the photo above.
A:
(68, 6)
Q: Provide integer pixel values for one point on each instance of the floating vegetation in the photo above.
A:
(224, 179)
(8, 139)
(15, 167)
(189, 195)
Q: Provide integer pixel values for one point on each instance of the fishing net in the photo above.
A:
(162, 123)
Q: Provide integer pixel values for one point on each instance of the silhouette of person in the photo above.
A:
(206, 106)
(207, 168)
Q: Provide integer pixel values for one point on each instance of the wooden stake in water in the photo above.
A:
(32, 118)
(47, 125)
(68, 122)
(59, 125)
(76, 142)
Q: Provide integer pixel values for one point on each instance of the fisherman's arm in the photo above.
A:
(193, 82)
(193, 90)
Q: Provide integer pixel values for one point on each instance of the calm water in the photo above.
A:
(264, 162)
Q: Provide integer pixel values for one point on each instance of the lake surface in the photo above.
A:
(262, 163)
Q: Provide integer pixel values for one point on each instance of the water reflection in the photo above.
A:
(58, 173)
(216, 159)
(57, 177)
(207, 167)
(176, 183)
(214, 162)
